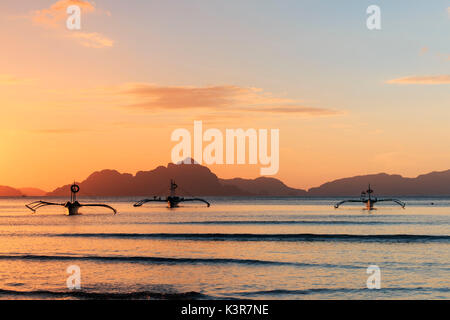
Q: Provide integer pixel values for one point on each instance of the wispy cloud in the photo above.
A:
(7, 79)
(55, 16)
(298, 110)
(152, 96)
(92, 40)
(423, 51)
(217, 98)
(429, 80)
(57, 131)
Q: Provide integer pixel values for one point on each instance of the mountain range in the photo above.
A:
(6, 191)
(195, 179)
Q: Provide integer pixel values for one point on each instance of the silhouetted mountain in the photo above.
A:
(263, 186)
(191, 179)
(32, 192)
(195, 179)
(431, 184)
(6, 191)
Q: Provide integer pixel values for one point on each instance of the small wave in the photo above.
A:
(307, 237)
(137, 295)
(165, 260)
(287, 222)
(276, 292)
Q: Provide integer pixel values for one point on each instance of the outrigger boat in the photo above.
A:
(72, 206)
(172, 200)
(366, 197)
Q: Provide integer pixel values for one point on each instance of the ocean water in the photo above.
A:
(239, 248)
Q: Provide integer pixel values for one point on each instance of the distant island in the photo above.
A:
(195, 179)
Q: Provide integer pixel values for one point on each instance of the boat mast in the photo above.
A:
(74, 188)
(369, 192)
(173, 186)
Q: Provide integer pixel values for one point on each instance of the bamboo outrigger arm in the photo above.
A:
(344, 201)
(172, 200)
(72, 206)
(366, 197)
(401, 203)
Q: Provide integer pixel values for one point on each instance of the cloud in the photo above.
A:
(152, 96)
(445, 57)
(217, 98)
(423, 51)
(57, 131)
(6, 79)
(299, 110)
(92, 40)
(440, 79)
(55, 16)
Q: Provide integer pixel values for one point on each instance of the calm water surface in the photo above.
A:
(239, 248)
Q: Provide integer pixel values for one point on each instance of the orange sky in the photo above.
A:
(110, 94)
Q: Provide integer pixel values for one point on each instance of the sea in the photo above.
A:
(239, 248)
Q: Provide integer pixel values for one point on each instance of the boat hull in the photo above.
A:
(72, 208)
(172, 202)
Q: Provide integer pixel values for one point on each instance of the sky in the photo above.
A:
(346, 100)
